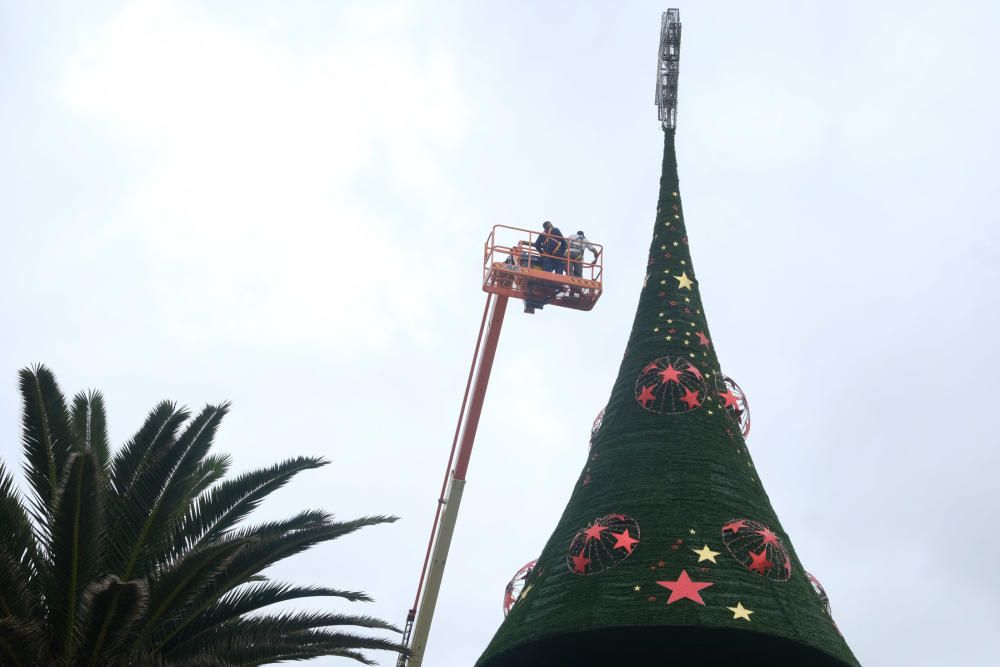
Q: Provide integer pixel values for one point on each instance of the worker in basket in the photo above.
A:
(552, 246)
(577, 244)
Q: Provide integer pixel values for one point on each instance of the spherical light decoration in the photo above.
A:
(757, 548)
(734, 401)
(596, 426)
(516, 586)
(606, 542)
(670, 385)
(824, 599)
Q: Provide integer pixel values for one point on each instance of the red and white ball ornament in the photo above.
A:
(596, 426)
(824, 599)
(734, 402)
(606, 542)
(670, 385)
(757, 548)
(515, 587)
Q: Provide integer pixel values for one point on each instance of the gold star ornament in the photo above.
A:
(706, 554)
(684, 281)
(739, 611)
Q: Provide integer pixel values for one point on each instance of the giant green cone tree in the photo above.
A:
(141, 558)
(668, 552)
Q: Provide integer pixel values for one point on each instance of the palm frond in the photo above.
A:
(178, 467)
(174, 588)
(109, 611)
(267, 544)
(231, 501)
(140, 557)
(159, 429)
(272, 542)
(46, 437)
(291, 622)
(253, 598)
(17, 597)
(22, 642)
(19, 555)
(138, 474)
(271, 645)
(88, 423)
(213, 468)
(76, 546)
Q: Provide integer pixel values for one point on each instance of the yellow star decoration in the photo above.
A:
(637, 589)
(739, 611)
(706, 554)
(684, 281)
(692, 531)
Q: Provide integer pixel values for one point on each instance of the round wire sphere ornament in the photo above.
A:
(596, 426)
(734, 401)
(603, 544)
(670, 385)
(515, 587)
(824, 599)
(757, 548)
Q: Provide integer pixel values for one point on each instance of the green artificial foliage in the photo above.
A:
(140, 558)
(668, 552)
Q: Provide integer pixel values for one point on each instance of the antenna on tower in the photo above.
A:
(667, 65)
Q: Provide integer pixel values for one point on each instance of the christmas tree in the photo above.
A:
(668, 552)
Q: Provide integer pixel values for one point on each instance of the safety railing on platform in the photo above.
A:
(516, 248)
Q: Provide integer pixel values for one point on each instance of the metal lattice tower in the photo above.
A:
(667, 66)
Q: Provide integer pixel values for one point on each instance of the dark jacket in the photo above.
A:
(551, 242)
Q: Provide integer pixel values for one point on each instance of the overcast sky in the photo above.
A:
(284, 204)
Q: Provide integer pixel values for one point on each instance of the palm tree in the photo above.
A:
(140, 557)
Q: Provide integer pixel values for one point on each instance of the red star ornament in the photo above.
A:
(759, 562)
(625, 541)
(693, 370)
(703, 339)
(684, 588)
(768, 535)
(690, 399)
(729, 398)
(670, 374)
(594, 532)
(580, 563)
(645, 396)
(734, 526)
